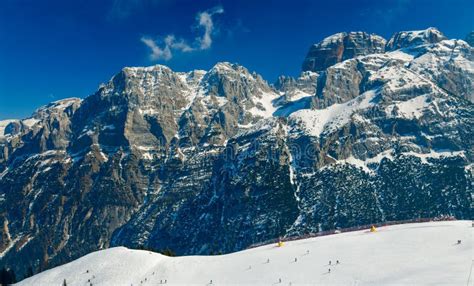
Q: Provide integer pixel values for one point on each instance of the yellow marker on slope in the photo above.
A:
(373, 229)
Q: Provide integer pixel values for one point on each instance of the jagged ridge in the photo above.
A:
(217, 160)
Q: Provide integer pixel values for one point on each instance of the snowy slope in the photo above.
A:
(415, 254)
(330, 119)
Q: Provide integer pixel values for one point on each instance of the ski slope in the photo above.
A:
(409, 254)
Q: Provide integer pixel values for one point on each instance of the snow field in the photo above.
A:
(409, 254)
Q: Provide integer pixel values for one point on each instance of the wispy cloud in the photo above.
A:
(205, 21)
(156, 51)
(163, 47)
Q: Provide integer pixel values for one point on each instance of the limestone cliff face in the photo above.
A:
(340, 47)
(208, 161)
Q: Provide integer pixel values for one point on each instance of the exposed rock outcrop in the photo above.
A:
(340, 47)
(214, 161)
(407, 39)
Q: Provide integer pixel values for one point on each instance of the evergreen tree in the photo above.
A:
(7, 276)
(168, 252)
(29, 272)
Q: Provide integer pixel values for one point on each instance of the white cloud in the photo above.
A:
(170, 43)
(205, 21)
(180, 45)
(157, 52)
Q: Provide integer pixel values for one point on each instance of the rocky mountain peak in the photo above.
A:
(233, 71)
(225, 79)
(59, 106)
(340, 47)
(208, 161)
(406, 39)
(155, 68)
(306, 81)
(227, 66)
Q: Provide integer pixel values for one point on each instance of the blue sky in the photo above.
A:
(56, 49)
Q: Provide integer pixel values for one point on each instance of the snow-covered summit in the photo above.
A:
(406, 39)
(217, 160)
(341, 46)
(62, 104)
(344, 36)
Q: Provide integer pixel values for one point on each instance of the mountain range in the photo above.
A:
(207, 162)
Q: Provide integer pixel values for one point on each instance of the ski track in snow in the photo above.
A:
(409, 254)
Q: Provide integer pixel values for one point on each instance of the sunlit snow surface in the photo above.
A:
(410, 254)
